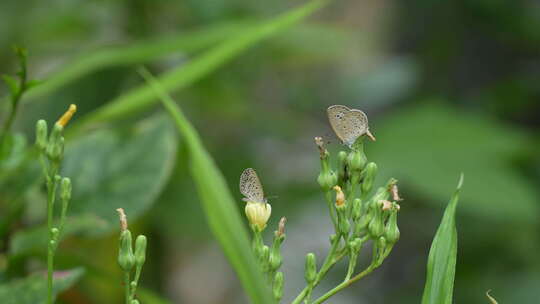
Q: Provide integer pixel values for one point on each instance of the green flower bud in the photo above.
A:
(356, 209)
(311, 268)
(355, 245)
(342, 167)
(140, 250)
(369, 177)
(381, 244)
(327, 180)
(277, 286)
(41, 134)
(265, 258)
(376, 225)
(54, 233)
(356, 160)
(343, 222)
(391, 232)
(55, 146)
(126, 259)
(134, 302)
(65, 189)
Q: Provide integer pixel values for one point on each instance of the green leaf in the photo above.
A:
(218, 203)
(33, 289)
(441, 266)
(34, 240)
(142, 97)
(425, 145)
(11, 83)
(126, 168)
(134, 53)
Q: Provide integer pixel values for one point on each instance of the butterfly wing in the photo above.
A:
(348, 124)
(336, 115)
(250, 186)
(357, 124)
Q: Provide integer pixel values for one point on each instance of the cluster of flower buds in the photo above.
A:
(358, 215)
(270, 258)
(129, 259)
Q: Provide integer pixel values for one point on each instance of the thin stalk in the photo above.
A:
(127, 287)
(330, 203)
(51, 189)
(344, 284)
(327, 265)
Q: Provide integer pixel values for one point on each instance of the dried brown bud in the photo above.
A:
(281, 226)
(386, 205)
(123, 219)
(340, 196)
(395, 193)
(320, 144)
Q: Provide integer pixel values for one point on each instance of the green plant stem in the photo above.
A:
(136, 281)
(127, 287)
(331, 259)
(345, 284)
(330, 203)
(51, 188)
(14, 106)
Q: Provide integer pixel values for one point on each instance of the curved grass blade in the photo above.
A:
(144, 96)
(136, 53)
(218, 204)
(441, 266)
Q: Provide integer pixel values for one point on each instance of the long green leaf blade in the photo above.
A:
(218, 203)
(136, 53)
(142, 97)
(441, 266)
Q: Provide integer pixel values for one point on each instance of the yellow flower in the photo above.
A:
(258, 213)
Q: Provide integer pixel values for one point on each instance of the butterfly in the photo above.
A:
(250, 187)
(348, 124)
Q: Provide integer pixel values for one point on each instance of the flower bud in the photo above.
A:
(327, 178)
(275, 254)
(340, 196)
(311, 268)
(356, 160)
(265, 258)
(134, 301)
(356, 209)
(55, 146)
(258, 214)
(369, 177)
(277, 286)
(376, 225)
(391, 232)
(54, 233)
(381, 243)
(41, 134)
(65, 189)
(140, 250)
(126, 259)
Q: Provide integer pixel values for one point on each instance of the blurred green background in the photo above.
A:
(449, 87)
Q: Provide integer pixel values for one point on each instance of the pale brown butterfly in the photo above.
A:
(348, 124)
(250, 186)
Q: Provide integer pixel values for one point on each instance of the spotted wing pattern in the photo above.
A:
(348, 124)
(250, 186)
